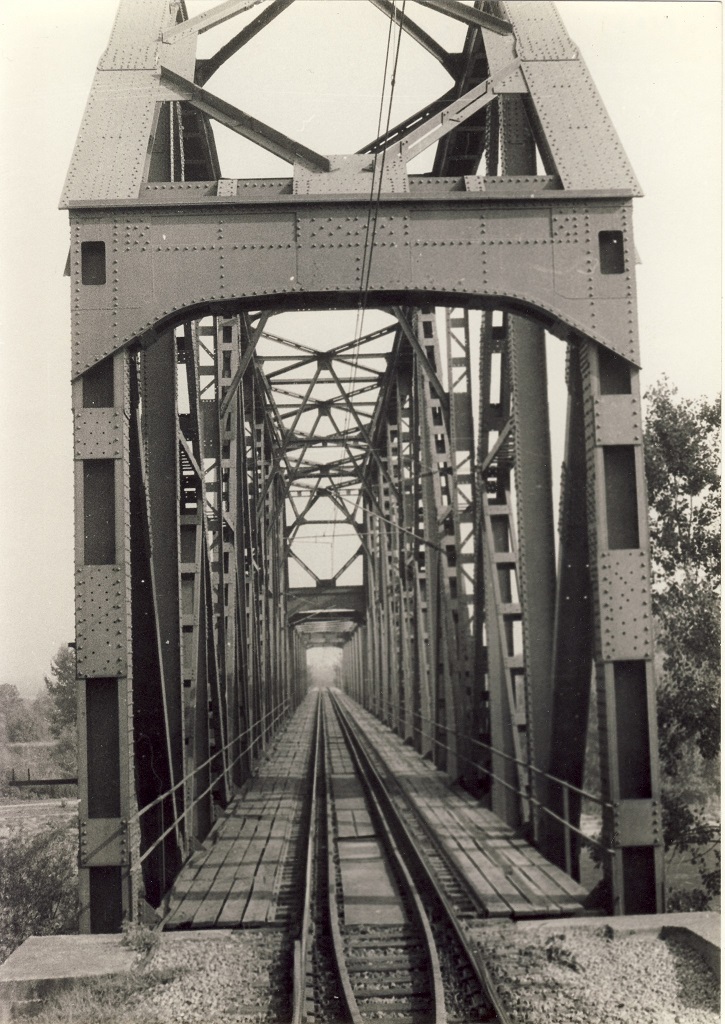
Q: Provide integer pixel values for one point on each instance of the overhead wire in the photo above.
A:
(370, 241)
(377, 182)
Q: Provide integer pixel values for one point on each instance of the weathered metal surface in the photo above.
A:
(508, 253)
(539, 31)
(189, 509)
(577, 127)
(100, 621)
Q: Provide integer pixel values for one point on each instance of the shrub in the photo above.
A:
(38, 885)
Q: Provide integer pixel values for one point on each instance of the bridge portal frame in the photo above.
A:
(151, 256)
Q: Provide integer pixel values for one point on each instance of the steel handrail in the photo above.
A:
(526, 795)
(188, 808)
(137, 815)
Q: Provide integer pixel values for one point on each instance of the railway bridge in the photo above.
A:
(312, 423)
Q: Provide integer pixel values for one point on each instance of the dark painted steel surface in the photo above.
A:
(206, 444)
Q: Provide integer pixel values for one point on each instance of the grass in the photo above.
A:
(105, 1000)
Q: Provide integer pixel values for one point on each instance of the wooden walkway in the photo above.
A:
(243, 876)
(509, 877)
(244, 873)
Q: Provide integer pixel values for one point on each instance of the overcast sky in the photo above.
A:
(657, 66)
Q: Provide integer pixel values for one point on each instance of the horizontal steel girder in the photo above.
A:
(540, 258)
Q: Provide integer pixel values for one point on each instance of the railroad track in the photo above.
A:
(388, 969)
(380, 940)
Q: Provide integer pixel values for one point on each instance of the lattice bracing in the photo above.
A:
(311, 411)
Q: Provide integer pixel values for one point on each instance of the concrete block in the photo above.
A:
(701, 930)
(45, 964)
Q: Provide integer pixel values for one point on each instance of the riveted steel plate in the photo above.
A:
(133, 280)
(617, 420)
(331, 250)
(507, 183)
(448, 249)
(636, 823)
(101, 620)
(98, 433)
(500, 50)
(201, 267)
(102, 842)
(517, 226)
(135, 39)
(259, 251)
(599, 219)
(110, 153)
(540, 33)
(573, 253)
(626, 613)
(614, 324)
(582, 139)
(92, 337)
(180, 56)
(352, 174)
(390, 265)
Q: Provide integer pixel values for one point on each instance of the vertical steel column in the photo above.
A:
(537, 568)
(109, 883)
(573, 639)
(425, 663)
(623, 630)
(460, 498)
(158, 699)
(495, 717)
(194, 608)
(227, 361)
(443, 550)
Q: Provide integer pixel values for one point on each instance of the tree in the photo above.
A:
(682, 459)
(22, 725)
(62, 691)
(38, 886)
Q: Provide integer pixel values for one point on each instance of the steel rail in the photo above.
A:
(299, 979)
(368, 777)
(414, 855)
(333, 909)
(405, 879)
(525, 794)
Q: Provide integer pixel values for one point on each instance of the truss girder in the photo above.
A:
(207, 444)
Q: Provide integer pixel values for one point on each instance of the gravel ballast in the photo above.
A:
(590, 977)
(241, 978)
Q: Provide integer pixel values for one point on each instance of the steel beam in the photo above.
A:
(182, 499)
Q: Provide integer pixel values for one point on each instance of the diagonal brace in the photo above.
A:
(208, 19)
(422, 357)
(469, 15)
(244, 362)
(243, 124)
(417, 33)
(208, 66)
(444, 121)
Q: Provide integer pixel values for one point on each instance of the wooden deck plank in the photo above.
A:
(508, 864)
(504, 884)
(495, 905)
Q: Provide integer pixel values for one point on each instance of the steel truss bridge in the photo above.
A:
(214, 442)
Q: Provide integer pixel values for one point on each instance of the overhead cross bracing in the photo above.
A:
(221, 445)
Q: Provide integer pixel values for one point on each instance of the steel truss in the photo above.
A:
(207, 443)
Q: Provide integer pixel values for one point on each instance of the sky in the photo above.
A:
(656, 64)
